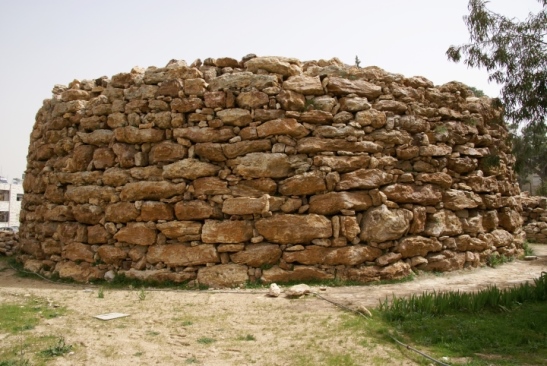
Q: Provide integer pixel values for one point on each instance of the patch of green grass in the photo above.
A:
(508, 325)
(20, 317)
(248, 337)
(191, 360)
(142, 295)
(100, 293)
(206, 340)
(495, 260)
(527, 250)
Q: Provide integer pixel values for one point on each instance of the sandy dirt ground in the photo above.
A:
(234, 327)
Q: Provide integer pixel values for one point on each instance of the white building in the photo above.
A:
(11, 196)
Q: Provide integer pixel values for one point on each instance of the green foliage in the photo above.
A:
(142, 295)
(492, 298)
(527, 249)
(357, 62)
(16, 317)
(490, 161)
(58, 349)
(530, 149)
(495, 260)
(510, 324)
(514, 54)
(478, 93)
(100, 293)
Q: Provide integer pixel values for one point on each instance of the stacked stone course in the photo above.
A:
(534, 214)
(8, 243)
(269, 169)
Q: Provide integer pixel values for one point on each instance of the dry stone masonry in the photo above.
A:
(270, 169)
(535, 218)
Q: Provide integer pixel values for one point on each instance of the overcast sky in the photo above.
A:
(43, 43)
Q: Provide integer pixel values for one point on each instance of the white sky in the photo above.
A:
(48, 42)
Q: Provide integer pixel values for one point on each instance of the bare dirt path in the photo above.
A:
(234, 327)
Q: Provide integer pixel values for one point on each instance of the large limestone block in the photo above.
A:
(185, 105)
(352, 255)
(261, 165)
(337, 132)
(381, 224)
(189, 169)
(97, 137)
(303, 184)
(235, 116)
(316, 117)
(180, 229)
(246, 205)
(210, 150)
(332, 202)
(307, 85)
(85, 193)
(121, 212)
(210, 186)
(349, 227)
(435, 150)
(391, 106)
(462, 165)
(417, 246)
(297, 274)
(468, 243)
(354, 104)
(69, 232)
(443, 222)
(136, 233)
(223, 275)
(257, 255)
(314, 145)
(79, 272)
(134, 135)
(426, 195)
(245, 147)
(441, 179)
(137, 191)
(175, 255)
(97, 234)
(391, 137)
(371, 117)
(481, 184)
(216, 99)
(271, 64)
(252, 99)
(510, 220)
(167, 152)
(342, 164)
(159, 275)
(104, 158)
(88, 214)
(282, 126)
(242, 80)
(292, 229)
(204, 134)
(349, 256)
(154, 211)
(501, 238)
(291, 101)
(78, 252)
(395, 271)
(254, 187)
(111, 254)
(215, 232)
(342, 87)
(364, 179)
(445, 262)
(458, 200)
(193, 210)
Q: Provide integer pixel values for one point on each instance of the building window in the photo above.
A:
(4, 195)
(4, 216)
(19, 197)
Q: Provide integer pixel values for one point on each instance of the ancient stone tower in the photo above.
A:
(269, 169)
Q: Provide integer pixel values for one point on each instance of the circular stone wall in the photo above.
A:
(268, 169)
